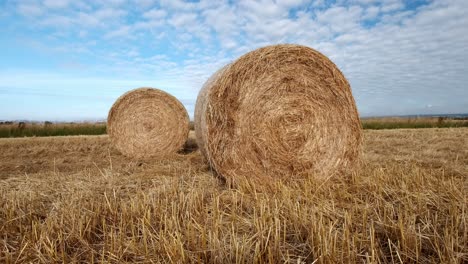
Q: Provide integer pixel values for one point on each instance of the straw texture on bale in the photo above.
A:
(282, 111)
(147, 122)
(200, 107)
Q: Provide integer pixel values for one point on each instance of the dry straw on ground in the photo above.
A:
(147, 122)
(282, 111)
(62, 201)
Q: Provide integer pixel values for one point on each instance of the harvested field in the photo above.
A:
(76, 199)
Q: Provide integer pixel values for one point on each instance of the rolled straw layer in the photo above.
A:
(278, 112)
(147, 122)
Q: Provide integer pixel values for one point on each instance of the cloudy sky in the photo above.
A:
(70, 59)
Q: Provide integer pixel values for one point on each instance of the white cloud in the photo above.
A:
(290, 3)
(397, 60)
(148, 25)
(264, 9)
(30, 9)
(188, 26)
(155, 14)
(57, 21)
(98, 18)
(178, 5)
(82, 33)
(144, 4)
(56, 3)
(183, 20)
(122, 32)
(371, 12)
(341, 19)
(88, 19)
(392, 5)
(365, 2)
(417, 61)
(110, 3)
(109, 13)
(225, 23)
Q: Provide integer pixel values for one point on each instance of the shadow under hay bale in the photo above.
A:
(189, 146)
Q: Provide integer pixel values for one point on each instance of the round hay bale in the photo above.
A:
(282, 111)
(147, 122)
(200, 107)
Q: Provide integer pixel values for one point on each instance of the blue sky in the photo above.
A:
(70, 59)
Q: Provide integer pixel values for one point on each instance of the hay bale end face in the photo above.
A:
(278, 112)
(147, 122)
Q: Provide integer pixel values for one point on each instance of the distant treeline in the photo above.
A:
(25, 129)
(416, 122)
(49, 129)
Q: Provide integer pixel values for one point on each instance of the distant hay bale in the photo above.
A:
(147, 122)
(280, 111)
(21, 125)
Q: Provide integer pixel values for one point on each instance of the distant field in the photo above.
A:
(14, 129)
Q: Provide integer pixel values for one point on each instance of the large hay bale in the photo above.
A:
(200, 107)
(281, 111)
(147, 122)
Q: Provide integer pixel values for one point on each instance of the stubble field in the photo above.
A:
(75, 199)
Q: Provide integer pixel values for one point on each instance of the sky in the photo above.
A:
(69, 60)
